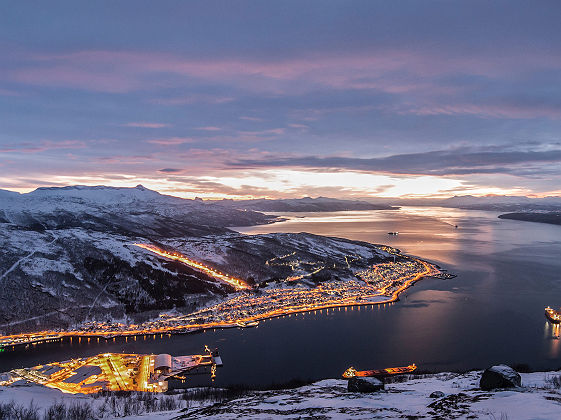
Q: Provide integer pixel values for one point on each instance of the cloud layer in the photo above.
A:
(208, 94)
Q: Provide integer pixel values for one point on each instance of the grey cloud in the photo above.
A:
(170, 170)
(449, 162)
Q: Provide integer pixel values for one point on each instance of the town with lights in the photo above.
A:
(380, 283)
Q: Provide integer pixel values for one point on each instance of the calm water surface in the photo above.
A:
(492, 312)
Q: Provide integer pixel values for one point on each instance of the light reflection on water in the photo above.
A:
(493, 312)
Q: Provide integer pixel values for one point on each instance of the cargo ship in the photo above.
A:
(553, 315)
(351, 372)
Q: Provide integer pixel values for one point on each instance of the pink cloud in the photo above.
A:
(146, 125)
(122, 71)
(193, 99)
(67, 76)
(251, 118)
(514, 111)
(209, 128)
(43, 146)
(9, 92)
(269, 132)
(171, 141)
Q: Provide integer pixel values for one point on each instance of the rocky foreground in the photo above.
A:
(438, 396)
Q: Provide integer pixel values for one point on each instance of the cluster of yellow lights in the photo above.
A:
(351, 372)
(108, 371)
(553, 314)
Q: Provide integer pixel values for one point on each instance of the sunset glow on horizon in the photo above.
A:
(295, 184)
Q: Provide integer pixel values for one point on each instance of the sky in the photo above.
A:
(247, 99)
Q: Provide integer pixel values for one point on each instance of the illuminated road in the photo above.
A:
(238, 284)
(143, 374)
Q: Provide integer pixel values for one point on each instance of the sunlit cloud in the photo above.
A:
(282, 183)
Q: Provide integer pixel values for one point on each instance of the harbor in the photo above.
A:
(115, 372)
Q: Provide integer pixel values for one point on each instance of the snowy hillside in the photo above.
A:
(329, 399)
(68, 255)
(537, 399)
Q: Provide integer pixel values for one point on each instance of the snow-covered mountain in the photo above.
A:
(119, 208)
(68, 254)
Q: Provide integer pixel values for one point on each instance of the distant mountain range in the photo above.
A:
(495, 202)
(306, 204)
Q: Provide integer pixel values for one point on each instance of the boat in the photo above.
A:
(352, 372)
(553, 315)
(393, 233)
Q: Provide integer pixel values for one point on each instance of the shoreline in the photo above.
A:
(51, 336)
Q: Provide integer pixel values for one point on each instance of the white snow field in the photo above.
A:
(539, 398)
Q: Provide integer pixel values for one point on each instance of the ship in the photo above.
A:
(352, 372)
(393, 233)
(553, 315)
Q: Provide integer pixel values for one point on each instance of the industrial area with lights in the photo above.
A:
(115, 372)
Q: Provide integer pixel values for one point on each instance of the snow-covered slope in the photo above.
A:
(68, 255)
(5, 194)
(538, 399)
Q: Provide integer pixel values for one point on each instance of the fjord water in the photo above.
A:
(492, 312)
